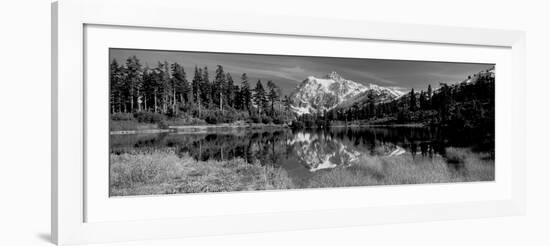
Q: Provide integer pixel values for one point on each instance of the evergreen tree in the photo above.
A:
(444, 102)
(237, 98)
(206, 88)
(260, 99)
(287, 102)
(147, 87)
(371, 104)
(412, 104)
(134, 79)
(422, 100)
(189, 97)
(273, 94)
(230, 90)
(429, 97)
(166, 87)
(116, 77)
(197, 86)
(180, 86)
(219, 87)
(246, 95)
(156, 84)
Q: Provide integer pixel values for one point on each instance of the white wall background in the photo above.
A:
(25, 122)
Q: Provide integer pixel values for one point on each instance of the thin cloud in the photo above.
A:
(264, 72)
(373, 77)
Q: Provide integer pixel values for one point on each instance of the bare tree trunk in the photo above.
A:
(139, 104)
(119, 104)
(221, 102)
(145, 101)
(174, 103)
(199, 99)
(113, 105)
(155, 109)
(131, 102)
(164, 99)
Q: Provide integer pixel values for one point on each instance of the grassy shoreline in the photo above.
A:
(135, 127)
(138, 128)
(419, 125)
(165, 172)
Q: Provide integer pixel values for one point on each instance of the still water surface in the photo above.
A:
(305, 152)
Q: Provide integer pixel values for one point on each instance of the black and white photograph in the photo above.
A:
(275, 123)
(220, 127)
(195, 122)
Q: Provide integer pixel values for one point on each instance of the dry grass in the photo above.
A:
(477, 167)
(125, 125)
(461, 165)
(163, 172)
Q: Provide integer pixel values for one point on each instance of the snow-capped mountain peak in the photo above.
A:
(334, 76)
(316, 95)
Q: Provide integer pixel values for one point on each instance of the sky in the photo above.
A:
(288, 71)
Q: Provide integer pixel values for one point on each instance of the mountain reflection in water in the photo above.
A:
(300, 153)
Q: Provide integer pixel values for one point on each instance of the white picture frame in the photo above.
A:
(72, 203)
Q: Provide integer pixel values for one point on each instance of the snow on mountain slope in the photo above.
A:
(319, 152)
(473, 78)
(316, 95)
(378, 93)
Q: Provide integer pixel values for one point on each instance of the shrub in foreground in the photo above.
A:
(163, 172)
(149, 117)
(122, 116)
(409, 169)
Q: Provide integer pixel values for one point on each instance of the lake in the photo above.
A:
(388, 155)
